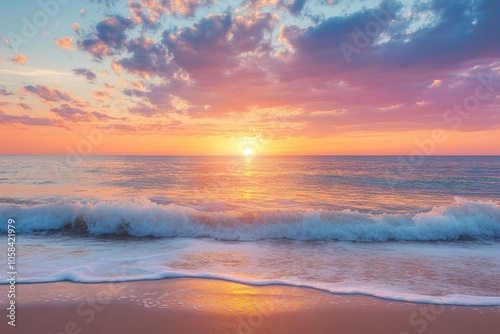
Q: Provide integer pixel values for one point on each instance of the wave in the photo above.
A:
(140, 217)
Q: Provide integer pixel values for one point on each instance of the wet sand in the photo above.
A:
(215, 306)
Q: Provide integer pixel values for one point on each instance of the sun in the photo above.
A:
(248, 151)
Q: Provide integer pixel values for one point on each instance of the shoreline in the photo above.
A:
(208, 305)
(269, 284)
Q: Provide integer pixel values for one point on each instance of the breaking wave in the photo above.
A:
(141, 217)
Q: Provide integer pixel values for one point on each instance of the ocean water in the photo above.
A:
(426, 230)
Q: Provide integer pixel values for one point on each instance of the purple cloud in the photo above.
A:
(24, 106)
(5, 92)
(26, 120)
(147, 58)
(72, 114)
(88, 74)
(108, 38)
(48, 94)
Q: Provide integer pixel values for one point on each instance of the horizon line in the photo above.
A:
(254, 155)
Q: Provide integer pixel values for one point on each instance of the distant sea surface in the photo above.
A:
(423, 229)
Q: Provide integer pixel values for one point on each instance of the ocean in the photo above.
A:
(421, 229)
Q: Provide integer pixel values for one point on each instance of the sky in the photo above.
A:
(208, 77)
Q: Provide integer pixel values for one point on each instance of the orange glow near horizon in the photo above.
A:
(43, 140)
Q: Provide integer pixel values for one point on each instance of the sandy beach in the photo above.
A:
(215, 306)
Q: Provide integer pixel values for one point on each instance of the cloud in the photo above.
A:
(202, 45)
(108, 38)
(26, 120)
(74, 114)
(149, 11)
(259, 4)
(204, 63)
(5, 92)
(115, 66)
(218, 41)
(76, 27)
(218, 51)
(71, 113)
(147, 110)
(108, 3)
(296, 6)
(147, 58)
(48, 94)
(24, 106)
(134, 92)
(19, 59)
(103, 117)
(88, 74)
(100, 94)
(65, 42)
(6, 42)
(459, 34)
(252, 63)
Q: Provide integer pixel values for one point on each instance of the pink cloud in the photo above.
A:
(100, 94)
(6, 41)
(65, 42)
(149, 11)
(19, 59)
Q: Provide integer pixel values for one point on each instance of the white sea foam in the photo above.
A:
(463, 219)
(367, 290)
(462, 273)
